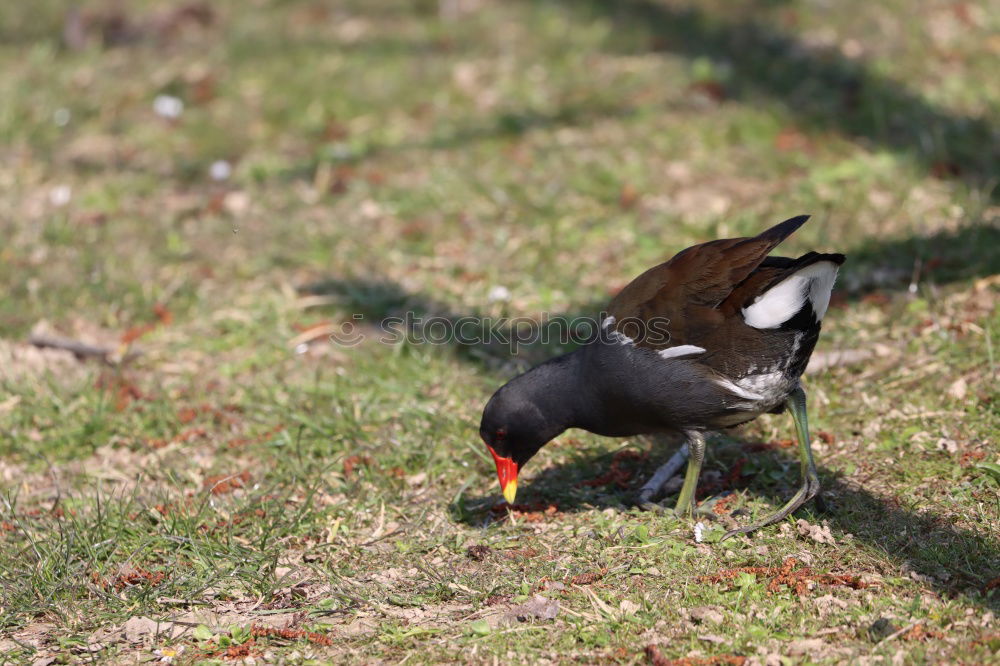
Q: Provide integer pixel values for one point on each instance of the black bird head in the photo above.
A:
(522, 417)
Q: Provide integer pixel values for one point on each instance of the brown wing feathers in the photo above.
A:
(703, 275)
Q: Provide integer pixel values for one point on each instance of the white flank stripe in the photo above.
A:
(680, 350)
(738, 390)
(780, 303)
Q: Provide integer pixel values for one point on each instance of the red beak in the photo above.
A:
(507, 473)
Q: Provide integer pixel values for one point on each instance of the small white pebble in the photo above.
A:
(168, 106)
(60, 195)
(220, 170)
(699, 530)
(498, 293)
(301, 348)
(61, 117)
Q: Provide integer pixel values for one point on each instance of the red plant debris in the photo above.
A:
(722, 504)
(790, 139)
(993, 584)
(187, 414)
(773, 445)
(240, 442)
(617, 474)
(826, 437)
(130, 577)
(7, 527)
(56, 512)
(221, 415)
(657, 659)
(302, 328)
(241, 651)
(943, 169)
(969, 458)
(220, 484)
(711, 90)
(353, 461)
(530, 513)
(163, 317)
(119, 386)
(290, 634)
(188, 435)
(235, 521)
(166, 509)
(478, 552)
(543, 584)
(520, 553)
(587, 578)
(790, 576)
(921, 633)
(628, 197)
(876, 298)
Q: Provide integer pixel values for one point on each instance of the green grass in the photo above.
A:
(394, 156)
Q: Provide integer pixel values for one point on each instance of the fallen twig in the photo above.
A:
(81, 349)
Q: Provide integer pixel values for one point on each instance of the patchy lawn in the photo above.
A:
(198, 195)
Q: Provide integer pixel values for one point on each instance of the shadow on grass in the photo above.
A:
(478, 341)
(955, 561)
(970, 252)
(822, 88)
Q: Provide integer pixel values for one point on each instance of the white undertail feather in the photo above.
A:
(782, 301)
(767, 385)
(680, 350)
(736, 389)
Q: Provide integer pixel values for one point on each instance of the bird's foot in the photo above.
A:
(808, 491)
(644, 501)
(656, 483)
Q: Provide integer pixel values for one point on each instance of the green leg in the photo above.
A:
(696, 448)
(796, 404)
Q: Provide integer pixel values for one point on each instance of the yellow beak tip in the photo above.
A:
(510, 491)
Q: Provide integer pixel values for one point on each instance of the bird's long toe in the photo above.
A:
(643, 501)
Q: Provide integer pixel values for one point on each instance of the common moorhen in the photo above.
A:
(712, 338)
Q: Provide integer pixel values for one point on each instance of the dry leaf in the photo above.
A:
(628, 607)
(828, 603)
(706, 614)
(958, 389)
(140, 629)
(818, 533)
(538, 607)
(805, 646)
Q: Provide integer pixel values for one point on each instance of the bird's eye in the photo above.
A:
(501, 433)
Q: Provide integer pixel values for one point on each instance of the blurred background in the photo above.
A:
(552, 148)
(195, 195)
